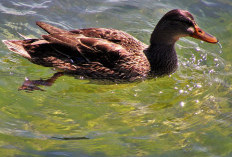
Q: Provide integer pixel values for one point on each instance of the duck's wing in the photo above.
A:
(122, 38)
(103, 52)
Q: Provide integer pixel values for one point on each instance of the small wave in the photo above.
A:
(6, 10)
(34, 5)
(18, 11)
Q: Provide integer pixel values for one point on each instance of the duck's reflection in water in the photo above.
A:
(31, 85)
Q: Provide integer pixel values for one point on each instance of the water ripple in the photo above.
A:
(13, 11)
(33, 5)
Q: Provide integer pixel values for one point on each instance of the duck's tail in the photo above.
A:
(17, 47)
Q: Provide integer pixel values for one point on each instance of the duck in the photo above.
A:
(106, 53)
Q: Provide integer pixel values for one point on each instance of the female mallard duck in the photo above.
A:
(111, 54)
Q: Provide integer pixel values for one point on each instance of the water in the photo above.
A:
(185, 114)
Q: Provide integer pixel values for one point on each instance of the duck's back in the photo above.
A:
(130, 43)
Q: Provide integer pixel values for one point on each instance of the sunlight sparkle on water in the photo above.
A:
(220, 45)
(181, 91)
(215, 59)
(182, 104)
(211, 71)
(198, 85)
(197, 48)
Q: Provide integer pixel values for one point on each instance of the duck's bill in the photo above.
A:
(202, 35)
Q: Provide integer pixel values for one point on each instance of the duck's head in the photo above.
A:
(178, 23)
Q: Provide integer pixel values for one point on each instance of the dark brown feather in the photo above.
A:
(49, 28)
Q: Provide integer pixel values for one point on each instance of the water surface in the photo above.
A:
(185, 114)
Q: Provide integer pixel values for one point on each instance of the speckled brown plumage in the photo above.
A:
(108, 53)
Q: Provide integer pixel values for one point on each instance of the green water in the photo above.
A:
(187, 114)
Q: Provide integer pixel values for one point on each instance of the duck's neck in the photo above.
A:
(162, 58)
